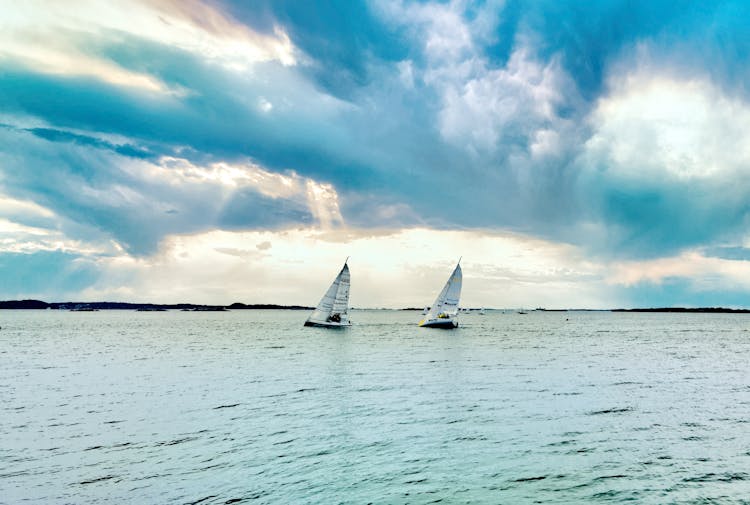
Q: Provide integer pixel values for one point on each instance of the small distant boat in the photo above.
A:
(333, 309)
(444, 312)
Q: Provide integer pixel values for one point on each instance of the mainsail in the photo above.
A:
(445, 307)
(333, 308)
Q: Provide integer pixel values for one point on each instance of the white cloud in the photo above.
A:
(7, 227)
(264, 105)
(390, 268)
(27, 227)
(520, 99)
(484, 108)
(659, 126)
(70, 61)
(320, 199)
(323, 202)
(20, 238)
(137, 201)
(182, 171)
(14, 207)
(703, 273)
(406, 73)
(54, 37)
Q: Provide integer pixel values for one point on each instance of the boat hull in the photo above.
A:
(444, 324)
(329, 324)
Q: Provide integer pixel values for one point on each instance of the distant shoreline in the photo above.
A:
(90, 306)
(708, 310)
(40, 305)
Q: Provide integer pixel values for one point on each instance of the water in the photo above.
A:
(183, 407)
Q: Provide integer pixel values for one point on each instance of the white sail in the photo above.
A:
(333, 308)
(445, 308)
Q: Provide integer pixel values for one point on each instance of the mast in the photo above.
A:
(332, 310)
(447, 301)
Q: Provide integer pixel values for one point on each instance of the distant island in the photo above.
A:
(194, 307)
(143, 307)
(720, 310)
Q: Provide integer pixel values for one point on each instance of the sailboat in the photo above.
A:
(444, 312)
(333, 309)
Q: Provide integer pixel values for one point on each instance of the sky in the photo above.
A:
(573, 154)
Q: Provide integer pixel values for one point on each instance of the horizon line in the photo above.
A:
(31, 304)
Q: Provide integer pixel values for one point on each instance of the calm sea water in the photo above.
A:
(182, 407)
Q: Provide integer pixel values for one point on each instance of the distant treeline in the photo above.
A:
(685, 309)
(38, 304)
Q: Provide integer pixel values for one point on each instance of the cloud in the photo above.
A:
(665, 166)
(687, 265)
(125, 149)
(390, 268)
(99, 192)
(364, 148)
(613, 128)
(344, 43)
(692, 278)
(688, 127)
(191, 26)
(23, 209)
(504, 106)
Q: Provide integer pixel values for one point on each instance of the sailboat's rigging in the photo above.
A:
(444, 312)
(333, 309)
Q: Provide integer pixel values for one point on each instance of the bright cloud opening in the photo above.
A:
(661, 126)
(56, 37)
(390, 268)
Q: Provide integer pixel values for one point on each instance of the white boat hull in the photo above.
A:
(445, 324)
(329, 324)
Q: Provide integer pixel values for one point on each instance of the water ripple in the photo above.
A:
(248, 406)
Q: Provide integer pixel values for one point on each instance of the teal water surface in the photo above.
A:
(250, 407)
